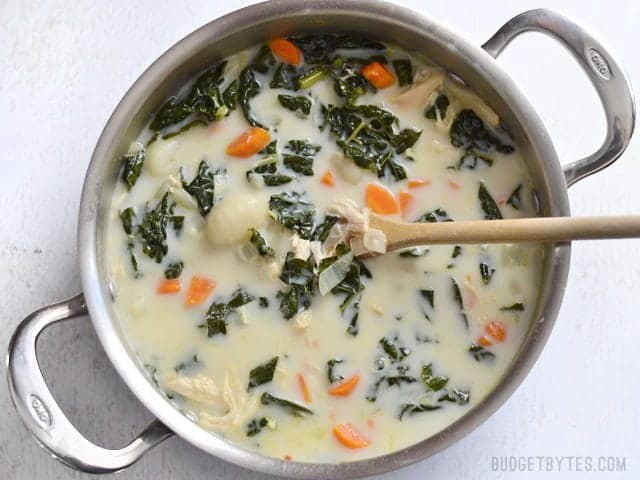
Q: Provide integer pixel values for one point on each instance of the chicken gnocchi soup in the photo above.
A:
(236, 233)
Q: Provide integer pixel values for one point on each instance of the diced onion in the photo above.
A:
(334, 274)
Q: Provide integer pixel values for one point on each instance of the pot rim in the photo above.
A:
(96, 293)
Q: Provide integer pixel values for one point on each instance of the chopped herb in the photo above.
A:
(514, 199)
(457, 296)
(413, 408)
(331, 365)
(290, 102)
(437, 215)
(404, 71)
(432, 382)
(263, 302)
(438, 107)
(256, 425)
(480, 353)
(290, 407)
(262, 373)
(126, 216)
(294, 213)
(202, 188)
(173, 270)
(456, 396)
(258, 241)
(488, 204)
(132, 166)
(486, 272)
(515, 307)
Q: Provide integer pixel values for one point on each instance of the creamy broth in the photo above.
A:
(436, 327)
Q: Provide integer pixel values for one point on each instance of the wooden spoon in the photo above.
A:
(538, 229)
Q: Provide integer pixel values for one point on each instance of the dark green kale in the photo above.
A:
(322, 230)
(486, 272)
(127, 216)
(263, 302)
(172, 112)
(258, 241)
(431, 381)
(230, 96)
(439, 107)
(178, 222)
(184, 128)
(299, 276)
(318, 48)
(202, 188)
(405, 139)
(456, 396)
(248, 87)
(468, 131)
(173, 270)
(457, 297)
(270, 149)
(256, 425)
(264, 60)
(134, 261)
(262, 373)
(488, 204)
(331, 366)
(293, 103)
(351, 285)
(514, 199)
(404, 71)
(414, 252)
(394, 352)
(515, 307)
(437, 215)
(216, 316)
(301, 165)
(480, 353)
(270, 176)
(311, 77)
(413, 408)
(152, 232)
(132, 166)
(303, 148)
(470, 160)
(290, 407)
(294, 213)
(428, 296)
(286, 76)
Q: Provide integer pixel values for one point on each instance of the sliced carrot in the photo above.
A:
(287, 458)
(169, 286)
(286, 51)
(497, 330)
(371, 423)
(199, 290)
(484, 341)
(348, 436)
(249, 143)
(380, 199)
(454, 185)
(304, 388)
(405, 200)
(417, 183)
(328, 178)
(378, 75)
(346, 387)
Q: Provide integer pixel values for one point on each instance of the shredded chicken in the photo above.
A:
(362, 238)
(424, 86)
(200, 388)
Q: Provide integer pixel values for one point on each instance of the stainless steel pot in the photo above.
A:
(240, 29)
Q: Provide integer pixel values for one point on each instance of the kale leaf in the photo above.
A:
(290, 407)
(294, 103)
(488, 204)
(294, 213)
(404, 71)
(173, 270)
(132, 166)
(457, 297)
(262, 373)
(258, 241)
(202, 188)
(437, 215)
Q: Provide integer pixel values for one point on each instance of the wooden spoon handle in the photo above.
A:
(538, 229)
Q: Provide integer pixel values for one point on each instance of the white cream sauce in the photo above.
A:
(213, 391)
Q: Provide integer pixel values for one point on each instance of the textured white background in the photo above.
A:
(63, 68)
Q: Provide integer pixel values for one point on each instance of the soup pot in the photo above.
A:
(475, 65)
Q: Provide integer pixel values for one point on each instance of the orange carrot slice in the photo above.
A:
(405, 200)
(286, 51)
(380, 199)
(417, 183)
(484, 341)
(348, 436)
(328, 178)
(249, 143)
(378, 75)
(169, 286)
(287, 458)
(346, 387)
(496, 330)
(199, 290)
(454, 185)
(304, 388)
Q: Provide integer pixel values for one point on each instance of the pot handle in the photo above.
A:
(42, 415)
(602, 69)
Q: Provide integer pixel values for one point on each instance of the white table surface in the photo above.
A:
(65, 65)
